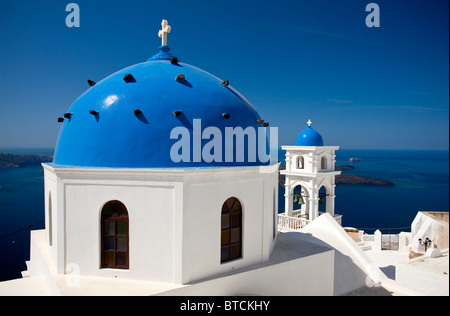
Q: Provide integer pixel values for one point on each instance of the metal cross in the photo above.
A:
(163, 33)
(309, 122)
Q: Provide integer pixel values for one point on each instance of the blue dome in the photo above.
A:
(125, 120)
(309, 137)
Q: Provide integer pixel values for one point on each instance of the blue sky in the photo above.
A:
(363, 88)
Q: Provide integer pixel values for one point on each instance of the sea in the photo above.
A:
(421, 181)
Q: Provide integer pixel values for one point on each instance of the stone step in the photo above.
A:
(364, 246)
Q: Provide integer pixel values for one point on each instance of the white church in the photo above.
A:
(130, 209)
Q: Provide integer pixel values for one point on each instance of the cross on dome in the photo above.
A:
(163, 32)
(309, 122)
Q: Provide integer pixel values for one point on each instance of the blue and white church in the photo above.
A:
(146, 195)
(143, 187)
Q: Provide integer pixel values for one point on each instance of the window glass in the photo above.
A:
(109, 227)
(108, 243)
(121, 259)
(122, 243)
(122, 228)
(225, 237)
(109, 258)
(225, 221)
(235, 235)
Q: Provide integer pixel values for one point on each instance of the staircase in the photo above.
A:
(364, 246)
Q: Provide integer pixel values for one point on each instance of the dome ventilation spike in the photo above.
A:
(178, 113)
(259, 121)
(60, 119)
(180, 78)
(226, 116)
(129, 78)
(93, 112)
(226, 83)
(266, 124)
(68, 115)
(91, 83)
(137, 112)
(174, 61)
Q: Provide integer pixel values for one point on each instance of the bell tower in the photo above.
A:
(310, 167)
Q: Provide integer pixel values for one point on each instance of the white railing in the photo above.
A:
(291, 223)
(296, 222)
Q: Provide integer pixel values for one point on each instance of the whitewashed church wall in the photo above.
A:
(150, 209)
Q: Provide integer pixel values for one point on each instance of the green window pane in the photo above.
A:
(236, 206)
(122, 228)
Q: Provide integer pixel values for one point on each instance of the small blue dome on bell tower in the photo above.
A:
(309, 137)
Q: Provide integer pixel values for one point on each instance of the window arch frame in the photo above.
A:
(231, 237)
(115, 237)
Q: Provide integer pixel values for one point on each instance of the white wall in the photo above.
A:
(303, 276)
(203, 196)
(150, 210)
(174, 218)
(202, 216)
(51, 214)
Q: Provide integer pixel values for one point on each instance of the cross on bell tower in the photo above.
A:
(163, 32)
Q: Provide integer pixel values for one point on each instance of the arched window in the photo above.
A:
(231, 230)
(324, 163)
(115, 243)
(300, 162)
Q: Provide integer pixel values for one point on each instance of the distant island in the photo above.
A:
(15, 161)
(347, 178)
(354, 179)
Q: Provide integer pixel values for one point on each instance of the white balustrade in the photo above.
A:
(297, 222)
(291, 223)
